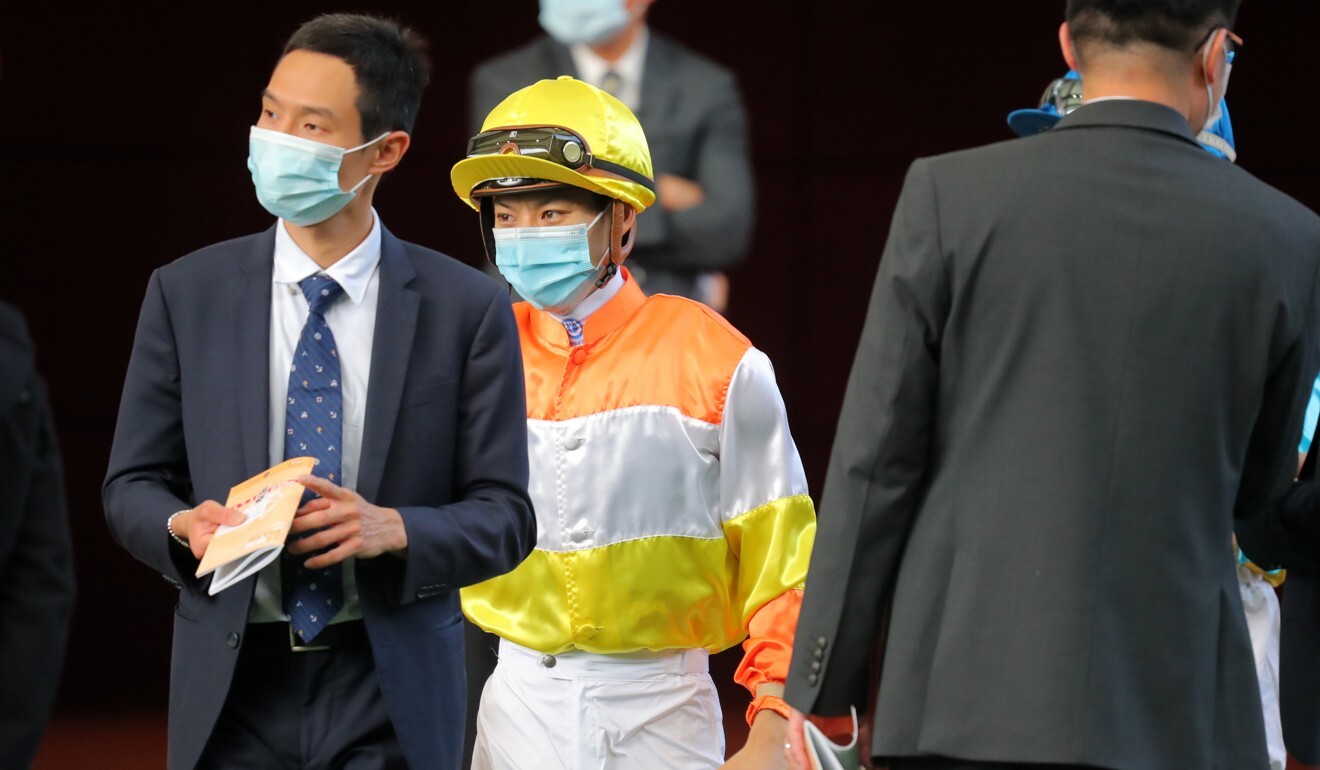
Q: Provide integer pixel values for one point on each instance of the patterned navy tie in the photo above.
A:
(313, 428)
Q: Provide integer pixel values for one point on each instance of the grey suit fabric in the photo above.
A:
(1085, 353)
(696, 127)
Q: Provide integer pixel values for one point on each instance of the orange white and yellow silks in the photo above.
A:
(670, 499)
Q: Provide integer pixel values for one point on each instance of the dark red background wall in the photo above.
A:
(124, 134)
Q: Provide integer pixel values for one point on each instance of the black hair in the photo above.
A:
(389, 60)
(1178, 25)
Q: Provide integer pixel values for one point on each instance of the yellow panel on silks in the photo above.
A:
(651, 593)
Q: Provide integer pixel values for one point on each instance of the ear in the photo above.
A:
(389, 151)
(1214, 54)
(1066, 45)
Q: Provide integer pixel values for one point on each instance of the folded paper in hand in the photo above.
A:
(825, 754)
(269, 500)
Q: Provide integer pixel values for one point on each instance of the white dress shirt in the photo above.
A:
(353, 321)
(592, 68)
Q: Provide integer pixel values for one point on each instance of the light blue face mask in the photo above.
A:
(298, 179)
(549, 266)
(584, 21)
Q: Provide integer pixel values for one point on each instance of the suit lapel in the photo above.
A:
(250, 316)
(658, 87)
(391, 347)
(558, 60)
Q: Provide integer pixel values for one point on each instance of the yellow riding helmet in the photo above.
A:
(559, 131)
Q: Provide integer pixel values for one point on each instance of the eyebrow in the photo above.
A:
(322, 111)
(543, 199)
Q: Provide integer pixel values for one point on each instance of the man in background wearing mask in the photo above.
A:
(1086, 353)
(671, 503)
(396, 367)
(692, 113)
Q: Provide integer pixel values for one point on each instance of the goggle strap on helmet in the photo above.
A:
(621, 171)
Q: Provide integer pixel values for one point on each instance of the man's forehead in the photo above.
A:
(315, 82)
(565, 194)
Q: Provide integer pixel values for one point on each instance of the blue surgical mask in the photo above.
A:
(298, 179)
(584, 21)
(550, 267)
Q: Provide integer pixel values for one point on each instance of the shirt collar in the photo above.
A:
(1116, 98)
(353, 272)
(592, 67)
(595, 300)
(617, 308)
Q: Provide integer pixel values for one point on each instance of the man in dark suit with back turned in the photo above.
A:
(694, 121)
(396, 366)
(1086, 353)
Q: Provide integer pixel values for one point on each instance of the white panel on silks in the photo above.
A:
(647, 471)
(630, 473)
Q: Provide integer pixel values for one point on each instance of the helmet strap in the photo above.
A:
(488, 228)
(621, 240)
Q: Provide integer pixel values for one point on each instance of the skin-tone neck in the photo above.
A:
(613, 49)
(1150, 73)
(332, 240)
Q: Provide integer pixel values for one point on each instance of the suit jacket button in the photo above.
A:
(820, 642)
(817, 654)
(815, 665)
(232, 640)
(812, 679)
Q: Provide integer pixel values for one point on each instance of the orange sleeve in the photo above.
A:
(769, 650)
(769, 645)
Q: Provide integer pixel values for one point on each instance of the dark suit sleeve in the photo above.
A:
(36, 573)
(1286, 534)
(715, 234)
(491, 528)
(1277, 518)
(148, 475)
(878, 469)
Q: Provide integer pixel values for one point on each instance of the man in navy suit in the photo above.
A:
(421, 437)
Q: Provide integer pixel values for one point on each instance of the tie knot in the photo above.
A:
(321, 291)
(611, 83)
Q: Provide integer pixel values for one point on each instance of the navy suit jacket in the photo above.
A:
(444, 443)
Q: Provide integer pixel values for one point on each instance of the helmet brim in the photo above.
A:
(1030, 122)
(470, 173)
